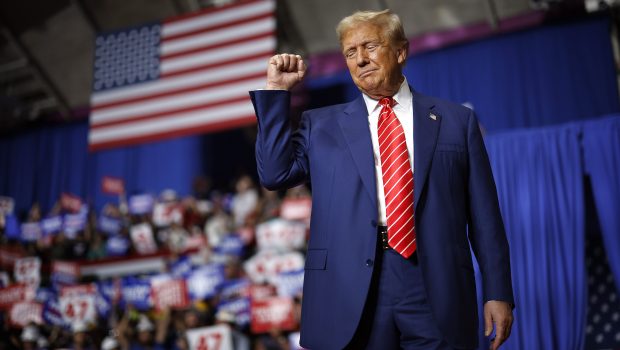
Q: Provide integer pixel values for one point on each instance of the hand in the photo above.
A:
(500, 314)
(285, 71)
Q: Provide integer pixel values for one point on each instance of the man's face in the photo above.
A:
(374, 63)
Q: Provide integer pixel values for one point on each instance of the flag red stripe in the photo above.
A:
(181, 18)
(176, 91)
(132, 119)
(271, 33)
(265, 54)
(151, 137)
(166, 39)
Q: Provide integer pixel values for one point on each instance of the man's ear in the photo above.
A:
(402, 53)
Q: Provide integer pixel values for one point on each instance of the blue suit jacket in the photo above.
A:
(454, 189)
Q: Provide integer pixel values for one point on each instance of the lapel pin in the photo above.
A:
(432, 116)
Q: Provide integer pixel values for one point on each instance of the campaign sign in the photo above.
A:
(140, 204)
(203, 283)
(52, 314)
(266, 265)
(7, 205)
(112, 185)
(43, 295)
(65, 272)
(109, 225)
(262, 291)
(281, 234)
(290, 283)
(170, 294)
(136, 292)
(296, 209)
(79, 289)
(117, 245)
(14, 294)
(70, 202)
(272, 313)
(27, 312)
(51, 225)
(233, 289)
(181, 267)
(31, 231)
(238, 307)
(28, 270)
(210, 338)
(73, 223)
(142, 237)
(164, 214)
(230, 245)
(78, 307)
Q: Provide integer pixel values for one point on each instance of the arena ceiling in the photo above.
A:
(46, 47)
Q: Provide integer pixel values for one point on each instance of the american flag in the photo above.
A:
(185, 75)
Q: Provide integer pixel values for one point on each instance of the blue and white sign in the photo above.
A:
(117, 245)
(109, 225)
(31, 231)
(181, 267)
(73, 223)
(290, 283)
(52, 224)
(136, 292)
(140, 204)
(234, 289)
(204, 282)
(231, 244)
(238, 307)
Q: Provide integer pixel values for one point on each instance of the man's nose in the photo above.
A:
(362, 58)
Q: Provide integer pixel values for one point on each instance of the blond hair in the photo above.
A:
(386, 20)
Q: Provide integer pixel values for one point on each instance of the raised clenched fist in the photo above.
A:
(284, 71)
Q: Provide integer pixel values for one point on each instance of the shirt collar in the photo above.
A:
(402, 97)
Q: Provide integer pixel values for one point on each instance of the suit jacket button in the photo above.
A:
(369, 263)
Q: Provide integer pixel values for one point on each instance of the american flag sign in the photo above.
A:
(183, 76)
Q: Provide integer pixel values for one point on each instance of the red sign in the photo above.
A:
(273, 313)
(78, 308)
(112, 185)
(170, 293)
(70, 202)
(210, 338)
(15, 294)
(8, 256)
(262, 291)
(28, 270)
(26, 312)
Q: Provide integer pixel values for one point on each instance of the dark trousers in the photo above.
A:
(397, 314)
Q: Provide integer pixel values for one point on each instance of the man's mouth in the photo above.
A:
(367, 73)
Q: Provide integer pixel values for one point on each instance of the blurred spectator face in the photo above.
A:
(35, 213)
(191, 319)
(145, 337)
(244, 184)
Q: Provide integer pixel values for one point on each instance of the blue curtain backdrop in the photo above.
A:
(601, 154)
(539, 179)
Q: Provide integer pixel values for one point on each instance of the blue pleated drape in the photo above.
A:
(601, 155)
(539, 178)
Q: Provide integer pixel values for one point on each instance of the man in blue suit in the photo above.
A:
(381, 275)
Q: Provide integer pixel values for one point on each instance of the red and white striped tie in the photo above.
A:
(397, 181)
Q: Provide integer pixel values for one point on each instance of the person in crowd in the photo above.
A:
(401, 187)
(245, 200)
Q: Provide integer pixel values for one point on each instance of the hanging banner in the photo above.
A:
(281, 234)
(170, 294)
(112, 185)
(14, 294)
(296, 209)
(141, 204)
(142, 238)
(28, 271)
(273, 313)
(210, 338)
(24, 313)
(78, 307)
(70, 202)
(266, 265)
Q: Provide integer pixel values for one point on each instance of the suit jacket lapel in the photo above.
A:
(425, 132)
(354, 126)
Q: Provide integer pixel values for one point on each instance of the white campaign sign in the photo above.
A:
(210, 338)
(79, 307)
(281, 234)
(28, 270)
(265, 266)
(142, 237)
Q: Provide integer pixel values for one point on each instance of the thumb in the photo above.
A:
(488, 323)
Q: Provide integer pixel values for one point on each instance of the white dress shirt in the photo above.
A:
(403, 108)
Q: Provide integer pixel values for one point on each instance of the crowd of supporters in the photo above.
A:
(208, 229)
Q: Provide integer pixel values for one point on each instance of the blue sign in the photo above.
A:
(181, 267)
(204, 282)
(136, 292)
(31, 231)
(234, 289)
(51, 225)
(238, 307)
(109, 225)
(117, 245)
(141, 204)
(231, 244)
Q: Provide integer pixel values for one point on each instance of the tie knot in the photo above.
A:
(386, 102)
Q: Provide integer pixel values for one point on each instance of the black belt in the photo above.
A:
(383, 235)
